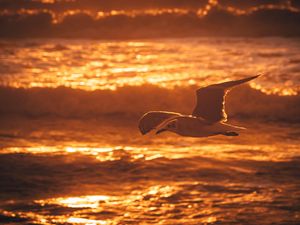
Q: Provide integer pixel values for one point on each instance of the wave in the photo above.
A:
(133, 101)
(140, 24)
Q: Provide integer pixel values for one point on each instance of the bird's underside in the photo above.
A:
(153, 119)
(210, 108)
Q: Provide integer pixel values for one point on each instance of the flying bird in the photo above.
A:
(208, 118)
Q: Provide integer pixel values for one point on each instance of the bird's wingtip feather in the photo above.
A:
(256, 76)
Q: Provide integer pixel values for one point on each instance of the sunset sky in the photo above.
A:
(146, 19)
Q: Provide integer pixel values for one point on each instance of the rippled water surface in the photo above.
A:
(101, 64)
(71, 152)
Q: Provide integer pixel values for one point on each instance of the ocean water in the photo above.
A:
(71, 151)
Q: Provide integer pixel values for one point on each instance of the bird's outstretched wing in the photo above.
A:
(211, 100)
(151, 120)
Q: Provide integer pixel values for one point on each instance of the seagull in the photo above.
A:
(208, 118)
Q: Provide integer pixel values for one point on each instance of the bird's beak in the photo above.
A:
(160, 131)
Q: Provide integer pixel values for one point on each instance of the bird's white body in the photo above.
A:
(208, 117)
(190, 126)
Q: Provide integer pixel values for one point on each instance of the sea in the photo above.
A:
(71, 151)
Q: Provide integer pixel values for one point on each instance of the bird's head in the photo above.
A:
(169, 126)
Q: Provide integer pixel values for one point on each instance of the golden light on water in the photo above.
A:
(47, 220)
(99, 203)
(100, 153)
(162, 150)
(165, 201)
(282, 91)
(70, 147)
(74, 220)
(90, 201)
(191, 181)
(98, 65)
